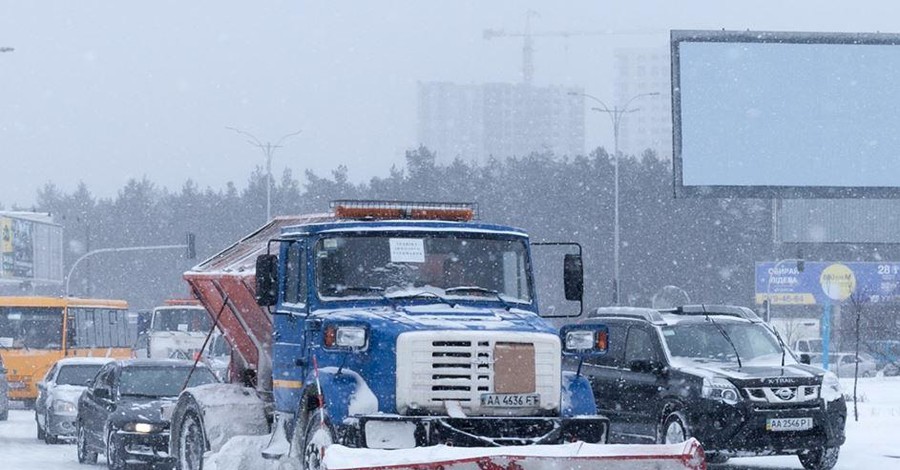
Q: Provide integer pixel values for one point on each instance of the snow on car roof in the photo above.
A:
(84, 361)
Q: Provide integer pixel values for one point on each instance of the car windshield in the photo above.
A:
(456, 265)
(180, 319)
(31, 327)
(705, 342)
(161, 381)
(77, 374)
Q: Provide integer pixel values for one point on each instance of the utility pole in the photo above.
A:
(268, 150)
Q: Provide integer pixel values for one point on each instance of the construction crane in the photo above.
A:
(528, 36)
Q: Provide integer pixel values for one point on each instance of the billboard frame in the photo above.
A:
(677, 37)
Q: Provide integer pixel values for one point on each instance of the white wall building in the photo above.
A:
(644, 70)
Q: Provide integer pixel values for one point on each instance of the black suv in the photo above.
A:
(716, 373)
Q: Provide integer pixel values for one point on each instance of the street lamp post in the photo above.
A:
(268, 150)
(615, 115)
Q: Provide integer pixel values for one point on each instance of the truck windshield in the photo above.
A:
(31, 327)
(180, 319)
(447, 265)
(704, 342)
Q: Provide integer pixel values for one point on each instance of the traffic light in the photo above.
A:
(191, 246)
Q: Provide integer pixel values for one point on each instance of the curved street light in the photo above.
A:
(615, 115)
(268, 150)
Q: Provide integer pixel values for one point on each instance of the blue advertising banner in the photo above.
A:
(822, 283)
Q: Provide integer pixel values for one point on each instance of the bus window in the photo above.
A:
(31, 327)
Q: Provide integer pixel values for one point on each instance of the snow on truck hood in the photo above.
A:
(445, 317)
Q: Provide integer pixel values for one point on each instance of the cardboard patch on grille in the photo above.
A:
(513, 368)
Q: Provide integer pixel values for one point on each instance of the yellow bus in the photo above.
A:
(35, 332)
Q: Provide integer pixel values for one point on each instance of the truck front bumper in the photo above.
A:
(395, 431)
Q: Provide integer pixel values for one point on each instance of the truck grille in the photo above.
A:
(436, 368)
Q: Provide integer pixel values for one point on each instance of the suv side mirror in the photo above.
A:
(573, 277)
(266, 280)
(805, 359)
(103, 394)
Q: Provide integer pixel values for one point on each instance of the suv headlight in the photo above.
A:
(62, 406)
(831, 388)
(720, 389)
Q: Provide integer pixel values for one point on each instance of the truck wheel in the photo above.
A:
(824, 458)
(674, 429)
(319, 435)
(188, 437)
(84, 454)
(191, 443)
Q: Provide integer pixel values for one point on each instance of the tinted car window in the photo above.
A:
(640, 345)
(77, 374)
(161, 381)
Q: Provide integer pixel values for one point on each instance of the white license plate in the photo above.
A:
(789, 424)
(511, 400)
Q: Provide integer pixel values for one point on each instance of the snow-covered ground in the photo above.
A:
(872, 443)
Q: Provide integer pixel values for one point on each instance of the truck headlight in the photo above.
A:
(349, 337)
(720, 389)
(62, 406)
(831, 388)
(579, 340)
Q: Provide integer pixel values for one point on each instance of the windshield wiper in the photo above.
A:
(362, 289)
(725, 334)
(480, 290)
(781, 342)
(420, 294)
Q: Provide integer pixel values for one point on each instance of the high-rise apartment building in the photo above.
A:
(637, 71)
(476, 122)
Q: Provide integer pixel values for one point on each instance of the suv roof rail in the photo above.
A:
(646, 314)
(726, 310)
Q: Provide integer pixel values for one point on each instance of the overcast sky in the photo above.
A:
(104, 91)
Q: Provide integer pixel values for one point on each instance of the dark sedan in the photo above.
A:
(119, 414)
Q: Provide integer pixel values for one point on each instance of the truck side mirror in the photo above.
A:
(573, 277)
(266, 280)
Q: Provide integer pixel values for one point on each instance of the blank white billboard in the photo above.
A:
(779, 114)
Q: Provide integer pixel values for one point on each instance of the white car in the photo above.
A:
(844, 364)
(56, 406)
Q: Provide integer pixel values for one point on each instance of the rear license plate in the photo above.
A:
(789, 424)
(511, 400)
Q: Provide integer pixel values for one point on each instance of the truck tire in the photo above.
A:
(318, 435)
(824, 458)
(188, 438)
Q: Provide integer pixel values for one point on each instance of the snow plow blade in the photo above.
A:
(577, 455)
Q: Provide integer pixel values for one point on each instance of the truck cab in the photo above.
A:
(396, 325)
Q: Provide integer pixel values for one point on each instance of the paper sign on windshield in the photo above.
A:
(407, 250)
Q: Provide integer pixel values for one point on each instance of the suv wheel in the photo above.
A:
(674, 429)
(824, 458)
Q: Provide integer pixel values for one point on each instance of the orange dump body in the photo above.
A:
(225, 285)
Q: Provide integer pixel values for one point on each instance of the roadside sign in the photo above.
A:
(822, 283)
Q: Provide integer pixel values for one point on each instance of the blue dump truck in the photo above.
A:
(386, 325)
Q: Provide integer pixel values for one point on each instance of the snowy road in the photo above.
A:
(872, 443)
